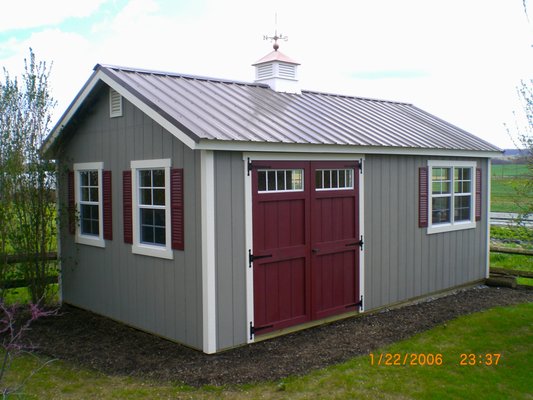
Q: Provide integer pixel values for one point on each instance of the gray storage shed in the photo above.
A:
(216, 213)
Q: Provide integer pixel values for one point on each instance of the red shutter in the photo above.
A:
(423, 197)
(108, 205)
(71, 206)
(127, 206)
(478, 194)
(176, 208)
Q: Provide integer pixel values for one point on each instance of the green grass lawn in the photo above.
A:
(506, 331)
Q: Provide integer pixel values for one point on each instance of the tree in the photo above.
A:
(27, 179)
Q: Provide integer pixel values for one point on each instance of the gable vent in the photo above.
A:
(115, 103)
(287, 71)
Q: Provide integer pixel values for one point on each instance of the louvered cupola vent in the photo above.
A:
(278, 71)
(115, 103)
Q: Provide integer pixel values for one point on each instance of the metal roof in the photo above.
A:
(230, 111)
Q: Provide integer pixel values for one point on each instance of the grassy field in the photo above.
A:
(504, 179)
(504, 331)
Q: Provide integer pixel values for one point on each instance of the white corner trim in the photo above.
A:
(487, 211)
(207, 189)
(248, 235)
(89, 240)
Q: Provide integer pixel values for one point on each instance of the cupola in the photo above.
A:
(278, 71)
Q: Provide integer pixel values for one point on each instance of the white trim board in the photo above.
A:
(209, 306)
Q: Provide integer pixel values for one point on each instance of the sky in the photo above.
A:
(461, 60)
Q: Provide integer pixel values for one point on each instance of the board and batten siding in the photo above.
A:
(156, 295)
(230, 250)
(401, 260)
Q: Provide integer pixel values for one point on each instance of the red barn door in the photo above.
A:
(305, 241)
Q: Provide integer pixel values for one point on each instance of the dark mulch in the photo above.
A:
(89, 340)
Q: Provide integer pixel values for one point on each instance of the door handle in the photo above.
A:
(315, 250)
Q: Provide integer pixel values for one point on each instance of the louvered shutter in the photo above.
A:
(127, 207)
(115, 103)
(478, 194)
(176, 208)
(423, 197)
(71, 206)
(108, 205)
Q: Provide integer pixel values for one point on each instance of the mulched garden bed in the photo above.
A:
(89, 340)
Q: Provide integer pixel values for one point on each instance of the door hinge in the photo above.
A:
(254, 329)
(361, 243)
(249, 166)
(361, 166)
(252, 258)
(360, 303)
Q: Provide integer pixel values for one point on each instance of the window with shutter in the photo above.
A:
(448, 195)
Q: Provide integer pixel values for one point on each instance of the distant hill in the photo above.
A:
(511, 156)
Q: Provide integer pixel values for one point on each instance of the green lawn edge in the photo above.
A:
(507, 331)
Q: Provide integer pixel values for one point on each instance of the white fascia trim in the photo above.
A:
(301, 157)
(141, 248)
(90, 240)
(175, 131)
(487, 214)
(439, 228)
(263, 147)
(207, 189)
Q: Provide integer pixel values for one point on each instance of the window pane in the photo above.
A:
(159, 218)
(335, 179)
(342, 178)
(462, 208)
(280, 176)
(93, 194)
(147, 217)
(159, 236)
(297, 179)
(159, 178)
(146, 197)
(159, 197)
(147, 234)
(349, 178)
(440, 210)
(327, 179)
(271, 180)
(85, 194)
(318, 179)
(93, 178)
(145, 178)
(89, 219)
(84, 178)
(261, 181)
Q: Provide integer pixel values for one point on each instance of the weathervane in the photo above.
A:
(275, 38)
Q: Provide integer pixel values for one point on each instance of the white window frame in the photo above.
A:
(143, 248)
(451, 226)
(90, 240)
(337, 170)
(285, 177)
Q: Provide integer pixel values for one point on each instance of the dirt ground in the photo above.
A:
(89, 340)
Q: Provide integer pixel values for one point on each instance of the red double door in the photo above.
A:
(305, 241)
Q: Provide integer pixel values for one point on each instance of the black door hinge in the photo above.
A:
(251, 166)
(361, 165)
(252, 258)
(360, 303)
(253, 329)
(361, 243)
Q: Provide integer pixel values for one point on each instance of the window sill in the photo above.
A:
(90, 241)
(153, 251)
(450, 227)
